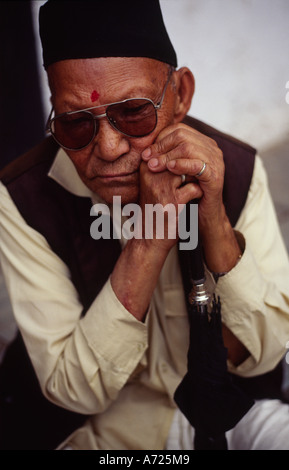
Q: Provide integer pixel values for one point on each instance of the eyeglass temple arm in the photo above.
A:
(165, 88)
(47, 129)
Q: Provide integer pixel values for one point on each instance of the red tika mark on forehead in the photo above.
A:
(94, 96)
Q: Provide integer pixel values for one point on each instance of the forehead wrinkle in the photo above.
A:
(155, 81)
(112, 83)
(72, 103)
(120, 87)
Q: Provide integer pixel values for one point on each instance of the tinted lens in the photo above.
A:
(74, 131)
(135, 118)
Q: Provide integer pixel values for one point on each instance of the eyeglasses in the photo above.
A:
(133, 117)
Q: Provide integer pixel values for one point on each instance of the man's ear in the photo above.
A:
(185, 88)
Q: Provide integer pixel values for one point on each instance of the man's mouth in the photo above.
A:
(117, 176)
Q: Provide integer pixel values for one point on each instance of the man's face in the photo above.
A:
(110, 164)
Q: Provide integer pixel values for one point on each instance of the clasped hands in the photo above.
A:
(181, 150)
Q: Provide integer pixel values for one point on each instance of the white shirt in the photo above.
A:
(108, 364)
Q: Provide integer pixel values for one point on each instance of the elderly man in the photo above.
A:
(105, 323)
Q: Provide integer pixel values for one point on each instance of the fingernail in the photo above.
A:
(172, 164)
(146, 153)
(153, 163)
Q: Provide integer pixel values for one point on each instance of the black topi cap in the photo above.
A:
(104, 28)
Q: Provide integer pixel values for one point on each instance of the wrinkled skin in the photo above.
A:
(148, 170)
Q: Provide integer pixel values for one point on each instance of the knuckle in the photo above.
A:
(160, 147)
(184, 148)
(220, 154)
(179, 132)
(182, 135)
(166, 158)
(215, 146)
(217, 150)
(187, 165)
(213, 143)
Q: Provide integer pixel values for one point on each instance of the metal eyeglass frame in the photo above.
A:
(100, 116)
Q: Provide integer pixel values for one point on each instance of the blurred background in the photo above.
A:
(237, 50)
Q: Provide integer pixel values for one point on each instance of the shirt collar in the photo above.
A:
(64, 173)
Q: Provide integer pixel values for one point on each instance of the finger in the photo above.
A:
(173, 136)
(160, 148)
(166, 177)
(181, 152)
(188, 192)
(197, 168)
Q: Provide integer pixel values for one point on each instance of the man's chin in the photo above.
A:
(127, 195)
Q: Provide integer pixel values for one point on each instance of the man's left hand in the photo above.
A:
(183, 151)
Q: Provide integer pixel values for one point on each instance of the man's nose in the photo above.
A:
(110, 142)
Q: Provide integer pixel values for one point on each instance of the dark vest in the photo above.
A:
(64, 220)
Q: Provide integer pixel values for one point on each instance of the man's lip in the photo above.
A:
(117, 175)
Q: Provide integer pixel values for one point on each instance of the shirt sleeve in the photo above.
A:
(78, 366)
(255, 294)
